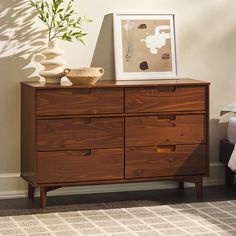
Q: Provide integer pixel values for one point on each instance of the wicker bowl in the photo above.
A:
(84, 76)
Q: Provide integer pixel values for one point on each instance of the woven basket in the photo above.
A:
(84, 76)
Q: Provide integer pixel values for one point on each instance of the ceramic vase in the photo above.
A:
(53, 63)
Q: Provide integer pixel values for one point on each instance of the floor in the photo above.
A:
(140, 213)
(115, 200)
(190, 219)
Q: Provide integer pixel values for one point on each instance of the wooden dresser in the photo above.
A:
(114, 132)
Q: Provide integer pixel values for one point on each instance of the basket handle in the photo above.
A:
(101, 71)
(66, 71)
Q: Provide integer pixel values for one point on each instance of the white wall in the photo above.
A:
(206, 50)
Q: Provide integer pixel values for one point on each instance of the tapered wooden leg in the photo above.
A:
(31, 190)
(181, 185)
(43, 196)
(199, 187)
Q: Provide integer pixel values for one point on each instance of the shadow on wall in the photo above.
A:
(104, 51)
(20, 41)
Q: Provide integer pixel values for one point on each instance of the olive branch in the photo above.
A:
(59, 20)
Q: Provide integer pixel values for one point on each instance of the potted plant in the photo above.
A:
(62, 23)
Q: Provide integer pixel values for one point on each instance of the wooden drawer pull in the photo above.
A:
(166, 89)
(81, 91)
(166, 148)
(166, 117)
(84, 121)
(86, 152)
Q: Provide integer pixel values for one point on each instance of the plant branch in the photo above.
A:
(60, 21)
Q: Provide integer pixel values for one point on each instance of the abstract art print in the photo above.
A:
(144, 46)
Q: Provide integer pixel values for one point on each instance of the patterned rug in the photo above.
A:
(210, 218)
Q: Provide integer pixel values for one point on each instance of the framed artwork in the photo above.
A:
(144, 46)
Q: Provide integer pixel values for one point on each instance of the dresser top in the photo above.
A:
(120, 83)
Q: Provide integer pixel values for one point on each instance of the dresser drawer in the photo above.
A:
(83, 165)
(79, 101)
(165, 129)
(161, 99)
(161, 161)
(80, 133)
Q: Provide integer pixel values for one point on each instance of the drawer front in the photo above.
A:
(83, 165)
(165, 129)
(81, 133)
(161, 99)
(79, 101)
(161, 161)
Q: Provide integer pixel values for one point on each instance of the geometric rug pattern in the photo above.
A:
(202, 219)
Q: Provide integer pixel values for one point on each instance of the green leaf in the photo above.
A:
(59, 20)
(75, 33)
(69, 6)
(42, 6)
(78, 27)
(46, 3)
(68, 38)
(80, 40)
(32, 3)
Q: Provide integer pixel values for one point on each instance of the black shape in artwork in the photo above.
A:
(165, 56)
(144, 65)
(142, 26)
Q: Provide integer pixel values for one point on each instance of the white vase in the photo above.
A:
(53, 63)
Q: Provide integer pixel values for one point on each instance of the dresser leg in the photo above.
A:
(181, 185)
(31, 190)
(43, 196)
(199, 187)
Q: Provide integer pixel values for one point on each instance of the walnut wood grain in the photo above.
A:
(165, 129)
(76, 135)
(82, 165)
(121, 84)
(160, 99)
(183, 178)
(157, 161)
(119, 115)
(28, 129)
(207, 131)
(79, 101)
(81, 133)
(43, 196)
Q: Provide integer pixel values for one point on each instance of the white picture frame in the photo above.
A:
(123, 22)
